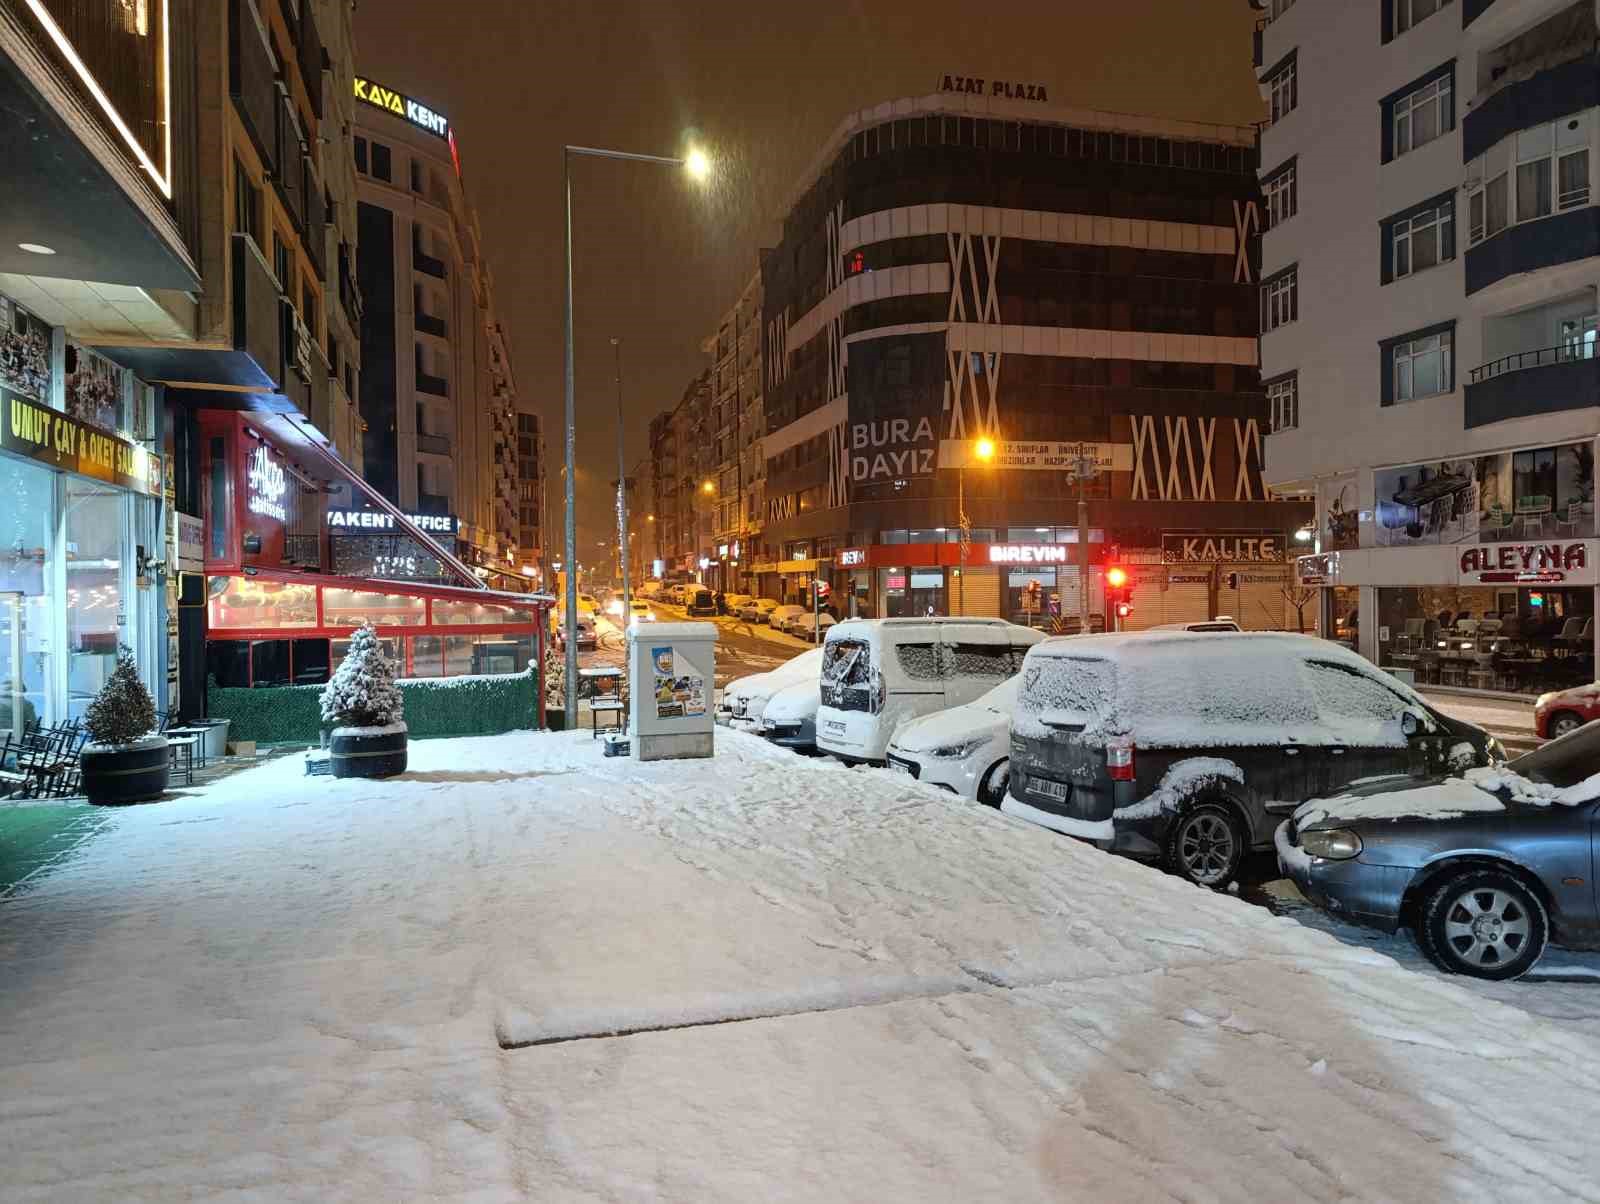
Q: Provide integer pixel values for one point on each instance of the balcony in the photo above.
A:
(250, 80)
(1526, 383)
(288, 174)
(437, 385)
(313, 59)
(429, 324)
(316, 223)
(433, 445)
(1529, 246)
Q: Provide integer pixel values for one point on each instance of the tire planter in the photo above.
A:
(135, 774)
(354, 753)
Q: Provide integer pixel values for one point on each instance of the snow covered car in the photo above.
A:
(640, 611)
(811, 628)
(790, 716)
(1564, 711)
(757, 610)
(966, 749)
(587, 637)
(781, 616)
(1484, 868)
(881, 673)
(745, 699)
(1187, 748)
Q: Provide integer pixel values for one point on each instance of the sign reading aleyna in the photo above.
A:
(32, 429)
(1212, 549)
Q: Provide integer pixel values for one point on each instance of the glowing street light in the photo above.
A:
(697, 164)
(984, 449)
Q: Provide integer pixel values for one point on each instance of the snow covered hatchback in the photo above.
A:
(880, 673)
(1187, 748)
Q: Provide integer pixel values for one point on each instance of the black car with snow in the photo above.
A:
(1188, 749)
(1484, 868)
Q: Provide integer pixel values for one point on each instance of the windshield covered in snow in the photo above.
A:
(849, 681)
(919, 662)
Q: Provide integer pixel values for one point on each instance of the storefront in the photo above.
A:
(81, 557)
(298, 553)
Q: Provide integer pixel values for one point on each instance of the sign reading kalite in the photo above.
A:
(32, 429)
(1210, 549)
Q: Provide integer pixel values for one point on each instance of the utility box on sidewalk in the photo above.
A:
(671, 669)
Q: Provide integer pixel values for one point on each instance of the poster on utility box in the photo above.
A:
(680, 690)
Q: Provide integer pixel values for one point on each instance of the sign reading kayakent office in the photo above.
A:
(400, 105)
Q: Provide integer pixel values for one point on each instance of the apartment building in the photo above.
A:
(736, 423)
(683, 457)
(438, 396)
(1431, 257)
(531, 513)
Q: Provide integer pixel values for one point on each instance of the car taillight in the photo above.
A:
(1119, 759)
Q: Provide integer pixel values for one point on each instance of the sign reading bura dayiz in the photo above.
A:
(381, 522)
(402, 106)
(32, 429)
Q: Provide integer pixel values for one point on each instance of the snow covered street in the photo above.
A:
(837, 984)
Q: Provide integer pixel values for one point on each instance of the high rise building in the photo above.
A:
(683, 457)
(438, 395)
(737, 420)
(531, 514)
(1062, 286)
(1428, 309)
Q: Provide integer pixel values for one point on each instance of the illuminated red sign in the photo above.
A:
(1524, 561)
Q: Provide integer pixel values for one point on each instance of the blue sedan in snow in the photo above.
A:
(1485, 868)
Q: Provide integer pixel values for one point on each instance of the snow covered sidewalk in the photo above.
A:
(304, 989)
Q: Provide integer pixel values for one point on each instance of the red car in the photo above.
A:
(1565, 710)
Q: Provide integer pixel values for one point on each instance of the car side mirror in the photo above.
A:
(1410, 724)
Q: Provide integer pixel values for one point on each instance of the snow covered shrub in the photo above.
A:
(362, 692)
(555, 677)
(123, 711)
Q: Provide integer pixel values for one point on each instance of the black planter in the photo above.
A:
(353, 756)
(125, 775)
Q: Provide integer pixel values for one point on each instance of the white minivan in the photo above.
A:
(880, 673)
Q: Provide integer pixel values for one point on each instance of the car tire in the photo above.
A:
(1206, 844)
(1484, 923)
(1563, 722)
(995, 782)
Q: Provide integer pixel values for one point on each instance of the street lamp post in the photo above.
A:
(622, 494)
(983, 449)
(698, 166)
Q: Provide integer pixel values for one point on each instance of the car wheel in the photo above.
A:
(992, 787)
(1485, 923)
(1563, 722)
(1206, 845)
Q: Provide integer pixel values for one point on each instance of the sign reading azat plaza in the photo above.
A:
(993, 87)
(402, 106)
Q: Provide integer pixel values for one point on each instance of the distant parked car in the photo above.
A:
(809, 627)
(587, 638)
(965, 749)
(700, 601)
(1222, 623)
(640, 611)
(1185, 748)
(781, 616)
(757, 610)
(1484, 868)
(1566, 710)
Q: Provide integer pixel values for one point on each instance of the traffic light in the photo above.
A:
(1116, 577)
(1233, 580)
(1124, 609)
(1119, 592)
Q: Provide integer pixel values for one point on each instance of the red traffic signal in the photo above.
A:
(1124, 609)
(1116, 577)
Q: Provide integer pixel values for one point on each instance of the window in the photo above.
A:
(1284, 90)
(382, 166)
(246, 204)
(1283, 403)
(1422, 114)
(920, 662)
(1278, 8)
(1280, 300)
(1409, 12)
(1578, 338)
(361, 155)
(1280, 193)
(282, 264)
(1422, 239)
(1421, 365)
(1537, 172)
(416, 176)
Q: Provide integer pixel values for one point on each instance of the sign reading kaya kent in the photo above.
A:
(992, 87)
(402, 106)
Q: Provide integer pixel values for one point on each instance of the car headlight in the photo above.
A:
(950, 752)
(1334, 844)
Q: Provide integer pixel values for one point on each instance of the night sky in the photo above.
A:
(761, 85)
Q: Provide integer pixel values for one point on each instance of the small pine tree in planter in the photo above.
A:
(363, 703)
(126, 759)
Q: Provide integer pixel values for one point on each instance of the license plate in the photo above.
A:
(1055, 791)
(900, 767)
(835, 725)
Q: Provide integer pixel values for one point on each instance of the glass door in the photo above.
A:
(94, 532)
(27, 526)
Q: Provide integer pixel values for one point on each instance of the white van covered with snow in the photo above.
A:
(880, 673)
